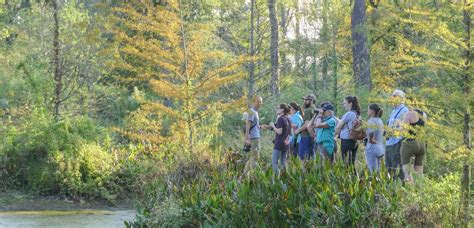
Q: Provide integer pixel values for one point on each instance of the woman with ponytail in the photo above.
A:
(282, 130)
(343, 129)
(375, 149)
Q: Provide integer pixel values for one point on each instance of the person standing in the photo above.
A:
(412, 146)
(282, 130)
(305, 150)
(325, 124)
(252, 134)
(394, 142)
(375, 149)
(348, 146)
(296, 122)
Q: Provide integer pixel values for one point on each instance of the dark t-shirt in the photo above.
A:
(282, 122)
(308, 115)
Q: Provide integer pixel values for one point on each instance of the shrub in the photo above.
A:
(69, 157)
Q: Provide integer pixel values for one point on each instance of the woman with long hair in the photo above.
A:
(348, 146)
(281, 143)
(375, 149)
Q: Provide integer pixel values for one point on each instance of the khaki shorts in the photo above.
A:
(412, 148)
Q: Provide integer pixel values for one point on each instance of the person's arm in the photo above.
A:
(278, 128)
(339, 127)
(320, 123)
(303, 127)
(409, 117)
(371, 132)
(310, 126)
(247, 132)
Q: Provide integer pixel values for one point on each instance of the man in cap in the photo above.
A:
(394, 141)
(306, 144)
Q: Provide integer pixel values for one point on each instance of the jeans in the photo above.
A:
(306, 148)
(278, 156)
(373, 156)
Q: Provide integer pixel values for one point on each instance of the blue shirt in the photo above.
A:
(254, 120)
(394, 122)
(297, 120)
(325, 136)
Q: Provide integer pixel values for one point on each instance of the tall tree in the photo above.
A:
(275, 70)
(360, 51)
(171, 54)
(467, 74)
(58, 76)
(285, 17)
(251, 79)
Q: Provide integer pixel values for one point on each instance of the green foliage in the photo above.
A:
(198, 194)
(319, 196)
(69, 157)
(432, 202)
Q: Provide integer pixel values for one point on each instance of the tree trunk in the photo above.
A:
(335, 66)
(57, 68)
(467, 77)
(314, 73)
(324, 37)
(188, 112)
(251, 81)
(284, 31)
(297, 36)
(465, 196)
(274, 48)
(360, 52)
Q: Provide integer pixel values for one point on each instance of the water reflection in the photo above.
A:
(80, 218)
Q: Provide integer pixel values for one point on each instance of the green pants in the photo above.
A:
(412, 148)
(254, 155)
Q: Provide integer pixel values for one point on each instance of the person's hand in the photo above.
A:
(247, 140)
(372, 141)
(293, 126)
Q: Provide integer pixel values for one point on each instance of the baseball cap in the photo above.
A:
(309, 97)
(327, 106)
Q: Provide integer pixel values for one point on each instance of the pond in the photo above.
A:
(78, 218)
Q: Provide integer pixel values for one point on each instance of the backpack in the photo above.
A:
(357, 132)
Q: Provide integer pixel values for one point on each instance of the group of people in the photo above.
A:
(315, 130)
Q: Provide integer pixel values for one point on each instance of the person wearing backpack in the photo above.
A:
(325, 123)
(349, 146)
(296, 122)
(375, 149)
(412, 146)
(282, 130)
